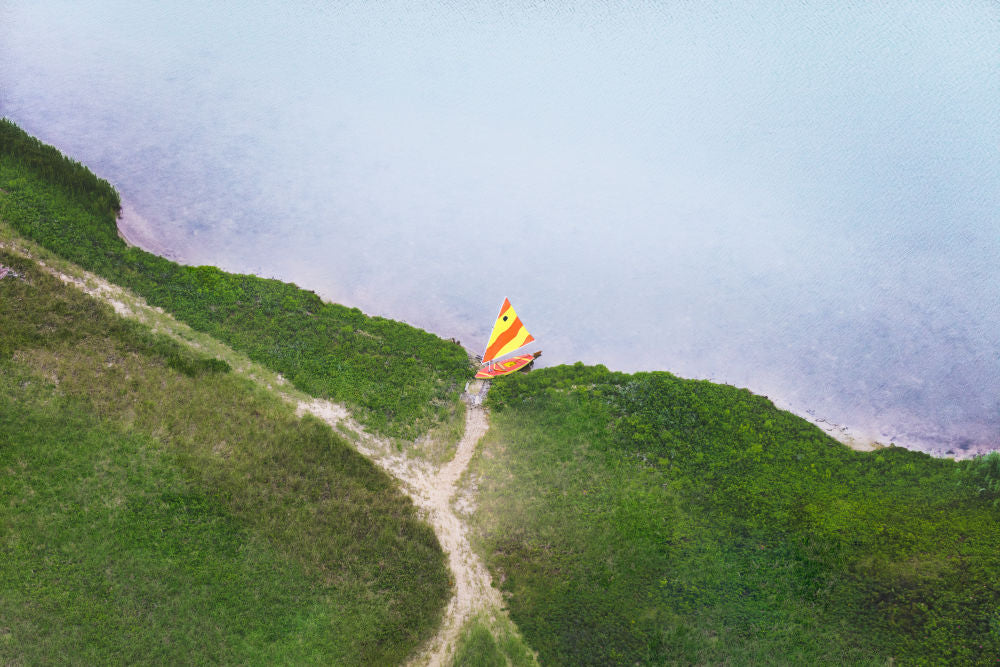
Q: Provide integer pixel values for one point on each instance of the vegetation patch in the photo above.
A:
(648, 519)
(398, 380)
(492, 642)
(158, 508)
(440, 443)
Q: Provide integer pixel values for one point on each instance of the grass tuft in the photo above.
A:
(492, 642)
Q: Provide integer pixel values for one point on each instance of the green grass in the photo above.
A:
(398, 380)
(158, 508)
(487, 642)
(645, 518)
(440, 443)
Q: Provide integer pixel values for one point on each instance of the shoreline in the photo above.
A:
(137, 232)
(839, 432)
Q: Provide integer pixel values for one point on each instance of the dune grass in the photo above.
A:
(440, 443)
(649, 519)
(398, 380)
(491, 642)
(158, 508)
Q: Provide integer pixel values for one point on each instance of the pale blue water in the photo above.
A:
(800, 200)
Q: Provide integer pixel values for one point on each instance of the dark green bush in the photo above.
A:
(983, 475)
(92, 192)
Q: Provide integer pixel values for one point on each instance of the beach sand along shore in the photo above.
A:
(138, 232)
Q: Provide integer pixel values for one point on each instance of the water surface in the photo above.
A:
(799, 200)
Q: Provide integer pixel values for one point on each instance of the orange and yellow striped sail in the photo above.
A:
(508, 334)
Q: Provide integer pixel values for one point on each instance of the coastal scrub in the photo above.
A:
(645, 518)
(398, 380)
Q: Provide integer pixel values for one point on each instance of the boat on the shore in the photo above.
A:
(508, 335)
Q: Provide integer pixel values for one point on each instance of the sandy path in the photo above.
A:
(432, 491)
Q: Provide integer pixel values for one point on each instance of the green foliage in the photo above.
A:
(156, 510)
(88, 190)
(477, 648)
(397, 379)
(485, 643)
(43, 317)
(983, 474)
(645, 518)
(110, 555)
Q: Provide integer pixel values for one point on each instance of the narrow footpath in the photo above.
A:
(431, 489)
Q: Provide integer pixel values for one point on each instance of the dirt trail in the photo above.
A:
(430, 488)
(432, 491)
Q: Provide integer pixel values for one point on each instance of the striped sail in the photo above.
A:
(508, 334)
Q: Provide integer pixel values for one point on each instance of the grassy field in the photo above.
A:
(159, 509)
(398, 380)
(653, 520)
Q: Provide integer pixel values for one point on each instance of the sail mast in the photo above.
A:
(508, 334)
(506, 301)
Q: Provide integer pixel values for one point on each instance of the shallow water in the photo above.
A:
(802, 201)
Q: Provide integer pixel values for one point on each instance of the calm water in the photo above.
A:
(803, 201)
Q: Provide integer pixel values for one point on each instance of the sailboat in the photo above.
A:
(508, 336)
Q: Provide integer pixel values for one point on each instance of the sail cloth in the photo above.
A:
(508, 334)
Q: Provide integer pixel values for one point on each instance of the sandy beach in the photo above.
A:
(138, 232)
